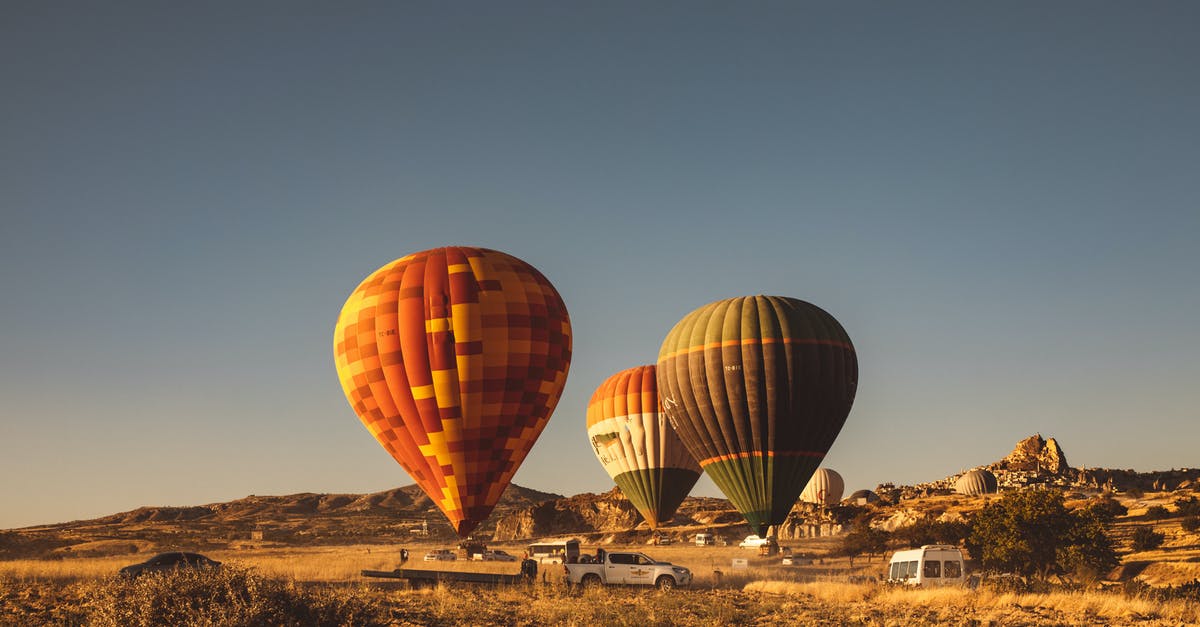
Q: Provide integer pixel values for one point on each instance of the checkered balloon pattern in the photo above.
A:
(454, 358)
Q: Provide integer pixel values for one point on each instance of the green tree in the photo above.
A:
(864, 540)
(930, 531)
(1031, 532)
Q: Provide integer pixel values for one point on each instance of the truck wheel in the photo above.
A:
(591, 580)
(666, 582)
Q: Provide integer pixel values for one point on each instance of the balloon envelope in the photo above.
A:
(824, 488)
(758, 388)
(637, 445)
(454, 359)
(976, 482)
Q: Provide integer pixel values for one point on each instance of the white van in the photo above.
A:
(930, 565)
(555, 551)
(704, 539)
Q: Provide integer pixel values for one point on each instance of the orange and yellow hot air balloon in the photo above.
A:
(638, 447)
(454, 358)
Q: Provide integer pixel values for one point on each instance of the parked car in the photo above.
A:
(754, 542)
(704, 539)
(495, 556)
(440, 555)
(166, 562)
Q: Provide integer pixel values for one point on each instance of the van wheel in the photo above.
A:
(666, 582)
(590, 580)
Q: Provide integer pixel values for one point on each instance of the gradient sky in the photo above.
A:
(997, 200)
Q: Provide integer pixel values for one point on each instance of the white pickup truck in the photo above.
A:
(628, 569)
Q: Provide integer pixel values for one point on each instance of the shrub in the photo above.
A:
(1190, 524)
(1106, 508)
(229, 596)
(1146, 539)
(1188, 507)
(1157, 512)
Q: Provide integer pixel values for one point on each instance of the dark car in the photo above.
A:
(166, 562)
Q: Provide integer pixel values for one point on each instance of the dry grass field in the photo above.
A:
(306, 584)
(301, 585)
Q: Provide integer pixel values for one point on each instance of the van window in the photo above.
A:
(933, 569)
(953, 569)
(911, 571)
(894, 573)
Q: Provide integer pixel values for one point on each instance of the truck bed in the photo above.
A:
(413, 574)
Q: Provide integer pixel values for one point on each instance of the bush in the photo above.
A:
(1032, 533)
(930, 531)
(1106, 508)
(1190, 524)
(1187, 507)
(1146, 539)
(229, 596)
(1157, 512)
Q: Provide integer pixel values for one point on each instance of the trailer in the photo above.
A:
(419, 577)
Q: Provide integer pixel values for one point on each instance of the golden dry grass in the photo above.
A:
(1003, 607)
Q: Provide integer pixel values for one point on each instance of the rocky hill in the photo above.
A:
(406, 514)
(400, 514)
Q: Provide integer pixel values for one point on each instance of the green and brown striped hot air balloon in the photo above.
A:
(758, 388)
(637, 446)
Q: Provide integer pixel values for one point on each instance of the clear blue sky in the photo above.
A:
(997, 200)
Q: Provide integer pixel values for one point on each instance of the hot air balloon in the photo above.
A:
(638, 447)
(863, 497)
(454, 359)
(976, 482)
(824, 488)
(758, 388)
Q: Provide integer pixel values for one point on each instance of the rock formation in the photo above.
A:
(582, 513)
(1035, 454)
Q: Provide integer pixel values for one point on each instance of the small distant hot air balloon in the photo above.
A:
(824, 488)
(758, 388)
(637, 446)
(976, 482)
(454, 359)
(863, 497)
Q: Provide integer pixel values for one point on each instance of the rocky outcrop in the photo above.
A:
(582, 513)
(1035, 454)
